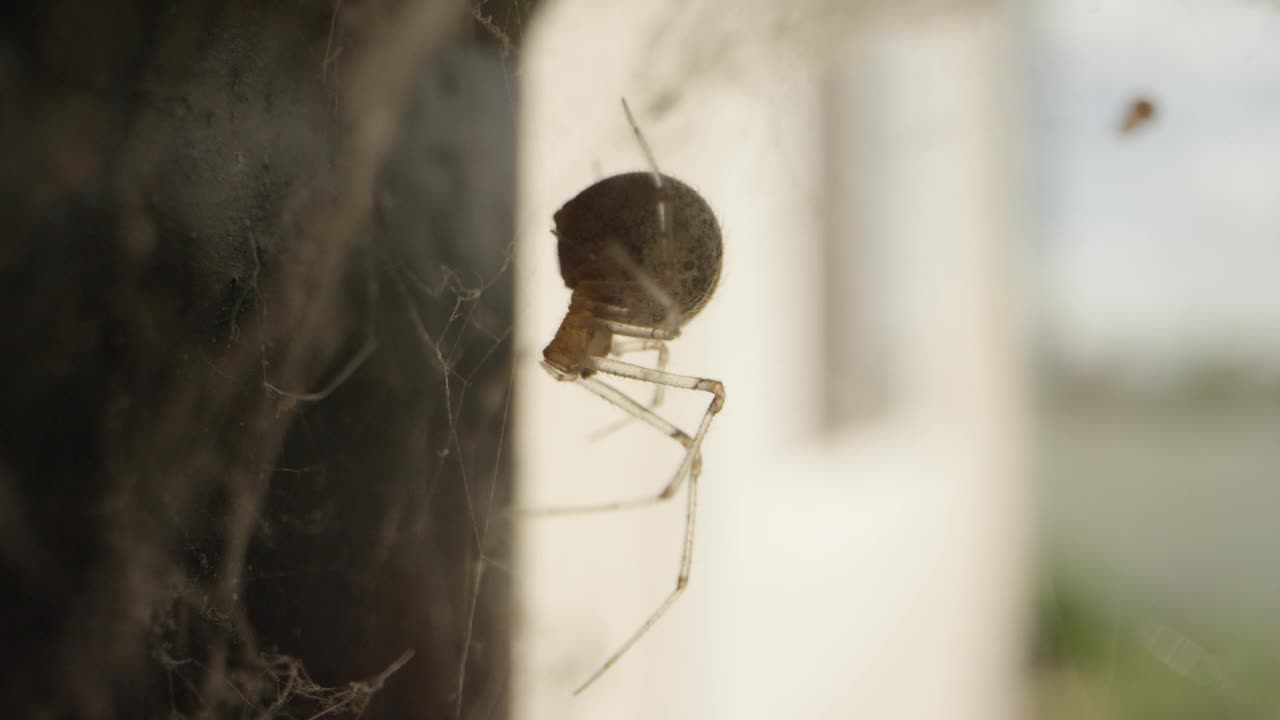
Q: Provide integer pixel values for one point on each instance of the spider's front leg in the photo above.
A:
(626, 347)
(693, 445)
(690, 468)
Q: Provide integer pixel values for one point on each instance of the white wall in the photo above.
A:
(871, 570)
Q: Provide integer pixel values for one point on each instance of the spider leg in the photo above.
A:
(682, 581)
(644, 144)
(684, 382)
(624, 321)
(623, 347)
(691, 468)
(626, 329)
(661, 207)
(626, 403)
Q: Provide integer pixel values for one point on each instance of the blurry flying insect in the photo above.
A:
(641, 253)
(1141, 112)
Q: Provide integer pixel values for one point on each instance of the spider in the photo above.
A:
(641, 254)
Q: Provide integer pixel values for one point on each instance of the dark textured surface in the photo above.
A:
(205, 204)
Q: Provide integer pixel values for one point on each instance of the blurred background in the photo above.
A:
(998, 324)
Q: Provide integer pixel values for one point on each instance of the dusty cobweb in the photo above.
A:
(422, 336)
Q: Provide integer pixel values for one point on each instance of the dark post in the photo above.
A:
(254, 271)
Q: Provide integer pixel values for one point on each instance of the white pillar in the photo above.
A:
(872, 571)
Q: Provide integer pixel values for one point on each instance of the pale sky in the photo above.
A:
(1164, 244)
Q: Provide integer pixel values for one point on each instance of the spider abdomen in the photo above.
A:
(613, 241)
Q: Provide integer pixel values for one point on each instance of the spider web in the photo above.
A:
(442, 319)
(256, 437)
(380, 510)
